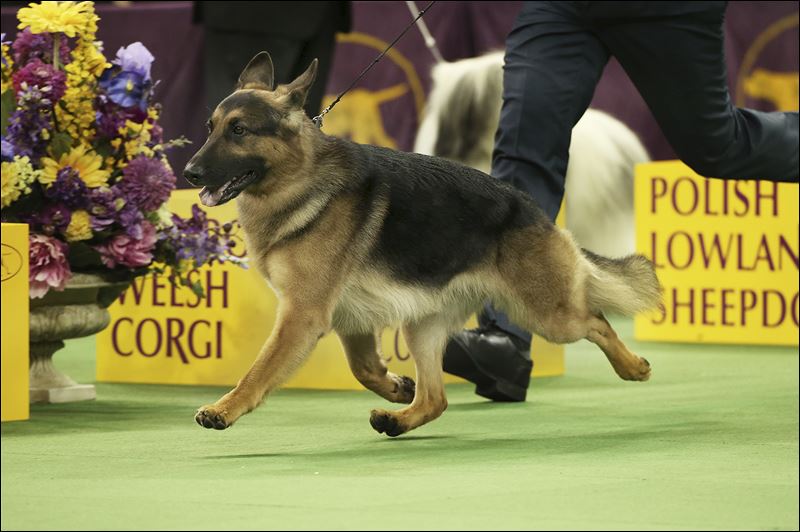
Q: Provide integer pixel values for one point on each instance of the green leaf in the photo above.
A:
(104, 148)
(197, 288)
(82, 256)
(9, 105)
(60, 144)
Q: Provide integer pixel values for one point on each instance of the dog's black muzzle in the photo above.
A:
(193, 174)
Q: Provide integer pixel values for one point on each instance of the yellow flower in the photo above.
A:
(8, 63)
(17, 175)
(133, 140)
(94, 62)
(75, 114)
(79, 227)
(69, 18)
(87, 163)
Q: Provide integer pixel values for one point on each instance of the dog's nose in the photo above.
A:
(193, 174)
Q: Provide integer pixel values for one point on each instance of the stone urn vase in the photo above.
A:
(80, 310)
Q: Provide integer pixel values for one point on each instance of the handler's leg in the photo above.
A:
(552, 65)
(678, 65)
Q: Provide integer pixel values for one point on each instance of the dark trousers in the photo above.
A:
(228, 52)
(674, 54)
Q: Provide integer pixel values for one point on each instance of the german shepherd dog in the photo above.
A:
(355, 238)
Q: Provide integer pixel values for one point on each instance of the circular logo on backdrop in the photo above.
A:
(12, 262)
(758, 80)
(378, 107)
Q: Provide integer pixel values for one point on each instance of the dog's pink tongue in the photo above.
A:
(209, 198)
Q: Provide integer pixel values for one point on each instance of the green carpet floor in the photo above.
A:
(711, 442)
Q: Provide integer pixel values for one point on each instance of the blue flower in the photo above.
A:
(135, 58)
(8, 150)
(126, 89)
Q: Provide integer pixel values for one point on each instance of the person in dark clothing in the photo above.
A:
(293, 33)
(555, 54)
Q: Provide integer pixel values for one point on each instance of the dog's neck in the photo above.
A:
(295, 195)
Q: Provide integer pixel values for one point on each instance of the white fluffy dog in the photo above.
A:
(460, 122)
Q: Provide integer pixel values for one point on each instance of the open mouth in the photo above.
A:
(227, 191)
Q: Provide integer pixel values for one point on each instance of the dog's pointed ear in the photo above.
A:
(298, 89)
(258, 74)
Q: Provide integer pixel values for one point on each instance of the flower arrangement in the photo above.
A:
(83, 157)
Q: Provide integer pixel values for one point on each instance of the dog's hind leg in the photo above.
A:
(426, 340)
(560, 293)
(627, 365)
(364, 357)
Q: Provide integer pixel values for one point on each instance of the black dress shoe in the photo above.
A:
(497, 362)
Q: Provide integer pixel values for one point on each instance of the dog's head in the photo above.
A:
(252, 134)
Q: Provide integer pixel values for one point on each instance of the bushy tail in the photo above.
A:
(624, 286)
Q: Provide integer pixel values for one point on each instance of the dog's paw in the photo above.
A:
(638, 371)
(404, 391)
(386, 422)
(210, 418)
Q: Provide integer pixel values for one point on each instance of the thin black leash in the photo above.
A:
(318, 119)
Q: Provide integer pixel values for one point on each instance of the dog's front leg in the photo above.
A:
(296, 332)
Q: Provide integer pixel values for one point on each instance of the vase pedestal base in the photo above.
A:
(66, 394)
(77, 311)
(48, 384)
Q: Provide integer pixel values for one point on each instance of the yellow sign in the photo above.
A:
(15, 310)
(162, 334)
(726, 252)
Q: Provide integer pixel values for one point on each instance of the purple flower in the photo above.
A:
(197, 240)
(69, 189)
(53, 218)
(146, 182)
(131, 219)
(25, 125)
(103, 208)
(157, 134)
(28, 46)
(135, 58)
(51, 81)
(109, 207)
(48, 265)
(111, 117)
(123, 250)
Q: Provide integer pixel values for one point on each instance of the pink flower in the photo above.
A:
(122, 250)
(48, 265)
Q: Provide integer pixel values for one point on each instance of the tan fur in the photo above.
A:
(325, 281)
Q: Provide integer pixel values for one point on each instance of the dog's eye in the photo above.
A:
(238, 130)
